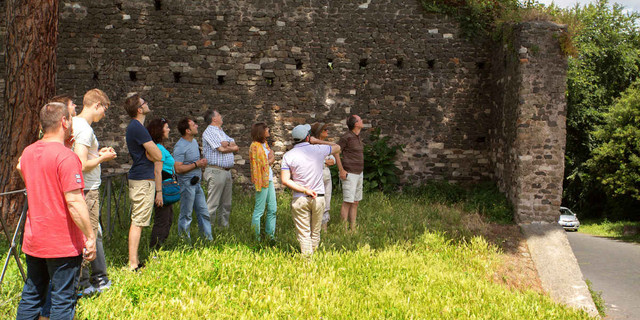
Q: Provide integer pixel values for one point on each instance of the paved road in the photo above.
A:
(613, 267)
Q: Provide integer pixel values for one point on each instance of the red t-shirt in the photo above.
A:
(50, 169)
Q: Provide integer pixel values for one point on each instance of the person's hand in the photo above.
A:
(201, 163)
(107, 153)
(343, 174)
(89, 251)
(159, 201)
(310, 193)
(70, 141)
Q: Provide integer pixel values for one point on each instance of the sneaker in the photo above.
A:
(104, 286)
(89, 291)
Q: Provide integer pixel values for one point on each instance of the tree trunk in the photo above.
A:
(32, 37)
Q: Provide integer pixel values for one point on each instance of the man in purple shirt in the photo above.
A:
(302, 172)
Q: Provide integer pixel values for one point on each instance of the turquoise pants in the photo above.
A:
(266, 196)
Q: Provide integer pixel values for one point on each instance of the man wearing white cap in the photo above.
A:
(301, 171)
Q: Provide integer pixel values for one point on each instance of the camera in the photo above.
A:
(194, 180)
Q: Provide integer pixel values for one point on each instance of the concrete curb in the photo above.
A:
(557, 266)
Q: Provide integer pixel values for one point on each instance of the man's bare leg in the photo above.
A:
(134, 242)
(353, 213)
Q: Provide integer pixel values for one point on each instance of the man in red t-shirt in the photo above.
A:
(57, 229)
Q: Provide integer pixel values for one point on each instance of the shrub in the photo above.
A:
(380, 171)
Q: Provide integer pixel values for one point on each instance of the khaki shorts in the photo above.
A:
(352, 187)
(91, 197)
(142, 194)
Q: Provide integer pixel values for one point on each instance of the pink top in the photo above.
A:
(50, 169)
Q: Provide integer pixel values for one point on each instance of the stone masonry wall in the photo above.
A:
(404, 71)
(456, 104)
(528, 138)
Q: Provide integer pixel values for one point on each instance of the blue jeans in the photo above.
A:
(266, 196)
(63, 274)
(192, 198)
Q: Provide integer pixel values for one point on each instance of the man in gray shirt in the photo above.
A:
(189, 171)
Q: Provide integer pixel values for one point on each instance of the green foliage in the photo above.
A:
(476, 17)
(608, 61)
(610, 229)
(615, 162)
(409, 260)
(380, 171)
(597, 299)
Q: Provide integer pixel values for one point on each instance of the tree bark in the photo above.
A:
(31, 41)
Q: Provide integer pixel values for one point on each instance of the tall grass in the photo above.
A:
(413, 256)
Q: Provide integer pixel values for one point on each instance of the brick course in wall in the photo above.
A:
(467, 110)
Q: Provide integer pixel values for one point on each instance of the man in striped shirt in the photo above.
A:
(218, 149)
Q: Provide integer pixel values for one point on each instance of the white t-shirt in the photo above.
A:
(305, 162)
(84, 135)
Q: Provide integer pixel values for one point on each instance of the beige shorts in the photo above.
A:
(91, 197)
(352, 187)
(142, 194)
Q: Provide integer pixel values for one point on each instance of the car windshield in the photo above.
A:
(566, 212)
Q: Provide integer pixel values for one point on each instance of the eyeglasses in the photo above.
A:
(104, 106)
(163, 120)
(143, 103)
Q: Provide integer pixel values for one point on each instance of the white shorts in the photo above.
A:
(352, 187)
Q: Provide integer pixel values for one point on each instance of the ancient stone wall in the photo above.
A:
(528, 135)
(455, 103)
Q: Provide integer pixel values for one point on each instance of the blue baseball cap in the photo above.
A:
(300, 132)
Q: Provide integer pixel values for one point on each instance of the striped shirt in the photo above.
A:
(212, 139)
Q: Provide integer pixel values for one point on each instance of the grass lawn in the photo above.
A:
(609, 229)
(415, 256)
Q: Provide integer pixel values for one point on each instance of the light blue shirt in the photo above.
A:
(266, 152)
(187, 152)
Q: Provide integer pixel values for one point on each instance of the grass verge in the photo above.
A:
(597, 299)
(413, 256)
(620, 230)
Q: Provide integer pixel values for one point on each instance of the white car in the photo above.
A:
(568, 220)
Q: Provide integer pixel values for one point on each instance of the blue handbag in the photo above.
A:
(170, 191)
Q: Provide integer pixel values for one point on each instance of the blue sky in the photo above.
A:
(633, 5)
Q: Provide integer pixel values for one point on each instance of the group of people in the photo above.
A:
(62, 175)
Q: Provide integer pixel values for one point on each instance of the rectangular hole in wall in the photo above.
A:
(157, 4)
(176, 77)
(96, 75)
(133, 76)
(363, 64)
(269, 81)
(330, 64)
(431, 63)
(299, 64)
(220, 80)
(480, 65)
(399, 63)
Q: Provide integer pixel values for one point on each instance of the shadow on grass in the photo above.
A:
(383, 220)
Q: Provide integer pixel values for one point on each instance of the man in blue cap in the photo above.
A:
(301, 171)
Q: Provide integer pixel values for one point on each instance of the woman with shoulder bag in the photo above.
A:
(164, 171)
(261, 158)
